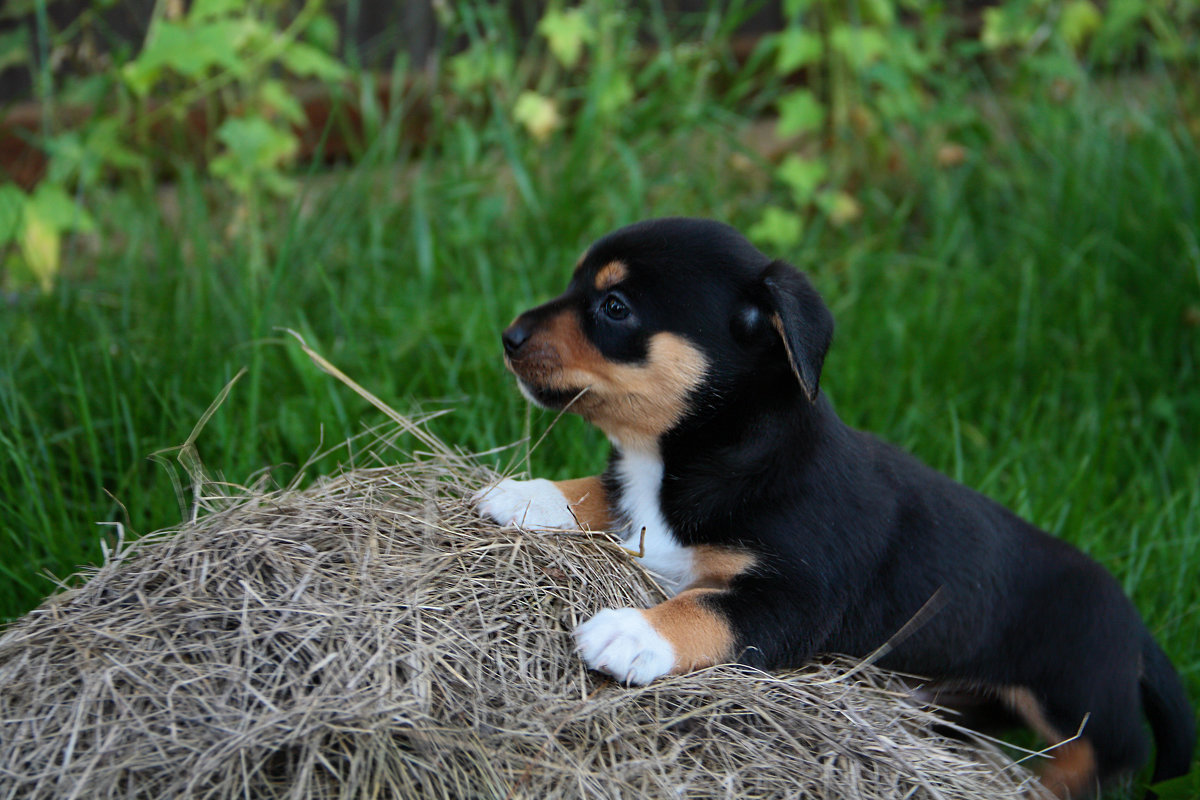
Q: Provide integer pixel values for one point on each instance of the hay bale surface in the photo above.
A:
(371, 636)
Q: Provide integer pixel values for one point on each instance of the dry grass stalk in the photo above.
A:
(372, 637)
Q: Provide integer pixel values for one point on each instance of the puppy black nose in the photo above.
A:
(515, 336)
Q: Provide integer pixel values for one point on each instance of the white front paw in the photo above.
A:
(623, 643)
(531, 505)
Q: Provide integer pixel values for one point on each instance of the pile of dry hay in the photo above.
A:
(371, 636)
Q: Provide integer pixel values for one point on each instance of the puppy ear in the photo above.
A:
(802, 321)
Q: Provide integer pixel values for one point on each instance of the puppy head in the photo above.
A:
(663, 319)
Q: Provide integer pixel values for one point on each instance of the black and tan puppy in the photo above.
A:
(782, 533)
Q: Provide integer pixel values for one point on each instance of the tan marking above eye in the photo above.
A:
(610, 275)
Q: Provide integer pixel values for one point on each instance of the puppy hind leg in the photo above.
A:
(1071, 770)
(1094, 735)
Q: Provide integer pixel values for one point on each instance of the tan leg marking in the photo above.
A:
(715, 567)
(610, 275)
(1027, 707)
(1071, 771)
(699, 636)
(588, 502)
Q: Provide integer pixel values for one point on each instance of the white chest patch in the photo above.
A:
(640, 474)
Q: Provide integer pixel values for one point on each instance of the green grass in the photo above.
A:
(1025, 322)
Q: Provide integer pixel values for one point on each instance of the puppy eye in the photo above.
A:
(615, 308)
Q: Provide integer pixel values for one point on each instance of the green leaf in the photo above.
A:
(537, 113)
(859, 46)
(83, 154)
(479, 65)
(175, 47)
(106, 140)
(203, 10)
(275, 97)
(839, 207)
(322, 32)
(1078, 21)
(254, 152)
(41, 248)
(777, 229)
(53, 207)
(567, 32)
(191, 51)
(797, 48)
(995, 28)
(12, 207)
(256, 141)
(879, 12)
(1009, 25)
(140, 76)
(794, 8)
(220, 44)
(799, 112)
(278, 184)
(67, 156)
(307, 61)
(802, 176)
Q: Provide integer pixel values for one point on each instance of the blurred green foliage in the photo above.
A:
(215, 59)
(878, 71)
(849, 79)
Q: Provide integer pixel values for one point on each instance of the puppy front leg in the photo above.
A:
(684, 633)
(725, 615)
(540, 504)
